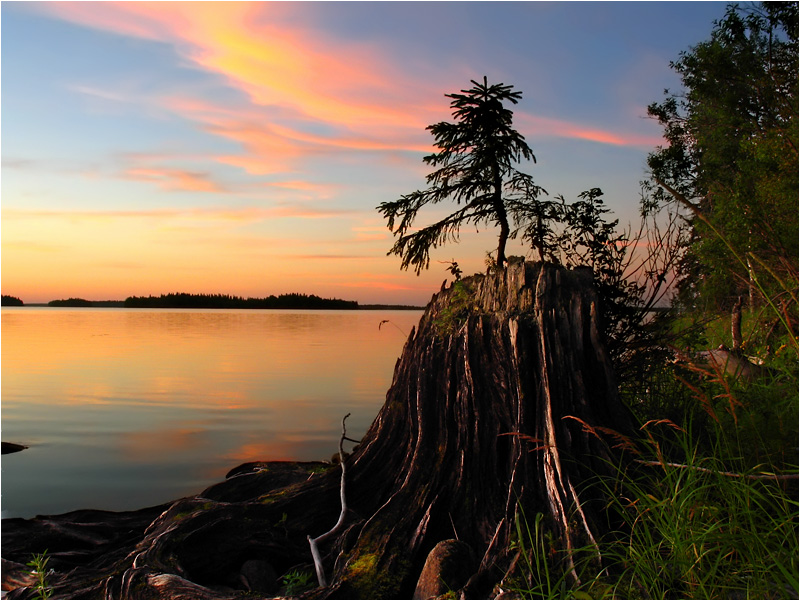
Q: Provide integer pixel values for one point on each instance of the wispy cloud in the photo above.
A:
(271, 58)
(329, 256)
(535, 126)
(244, 214)
(304, 92)
(175, 179)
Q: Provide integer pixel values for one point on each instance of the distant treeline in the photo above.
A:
(82, 302)
(70, 302)
(214, 301)
(226, 301)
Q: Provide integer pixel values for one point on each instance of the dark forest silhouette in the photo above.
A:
(226, 301)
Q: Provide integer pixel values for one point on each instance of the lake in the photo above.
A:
(127, 408)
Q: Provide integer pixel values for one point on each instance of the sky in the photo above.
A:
(242, 148)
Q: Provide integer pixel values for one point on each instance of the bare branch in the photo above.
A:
(313, 542)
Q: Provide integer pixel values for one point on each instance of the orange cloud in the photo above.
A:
(273, 148)
(330, 94)
(274, 61)
(175, 179)
(542, 126)
(244, 214)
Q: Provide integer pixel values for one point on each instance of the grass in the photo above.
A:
(697, 510)
(703, 528)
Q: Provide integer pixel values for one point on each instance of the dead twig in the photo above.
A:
(729, 474)
(313, 542)
(383, 321)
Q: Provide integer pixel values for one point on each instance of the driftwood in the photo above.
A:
(730, 362)
(486, 413)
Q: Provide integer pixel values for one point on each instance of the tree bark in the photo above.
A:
(493, 406)
(502, 218)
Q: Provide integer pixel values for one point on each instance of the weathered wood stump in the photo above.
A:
(488, 411)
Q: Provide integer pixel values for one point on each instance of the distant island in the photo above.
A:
(182, 300)
(226, 301)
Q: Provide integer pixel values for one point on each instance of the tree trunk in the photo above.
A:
(502, 217)
(491, 408)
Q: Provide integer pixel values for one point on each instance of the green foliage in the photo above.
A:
(11, 301)
(731, 159)
(296, 582)
(475, 168)
(589, 239)
(38, 565)
(454, 269)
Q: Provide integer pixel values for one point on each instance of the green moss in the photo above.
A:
(318, 469)
(272, 497)
(370, 581)
(192, 510)
(362, 567)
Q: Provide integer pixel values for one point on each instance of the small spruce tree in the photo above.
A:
(476, 168)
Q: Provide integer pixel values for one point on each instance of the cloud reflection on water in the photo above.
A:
(168, 401)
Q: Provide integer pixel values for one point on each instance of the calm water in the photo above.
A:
(124, 409)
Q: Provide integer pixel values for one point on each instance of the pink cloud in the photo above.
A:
(174, 179)
(542, 126)
(272, 147)
(330, 94)
(275, 61)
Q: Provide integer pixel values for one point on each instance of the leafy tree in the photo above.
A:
(731, 156)
(476, 168)
(629, 284)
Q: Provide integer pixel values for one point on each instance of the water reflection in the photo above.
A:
(127, 408)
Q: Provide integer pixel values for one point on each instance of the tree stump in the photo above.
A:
(492, 407)
(487, 410)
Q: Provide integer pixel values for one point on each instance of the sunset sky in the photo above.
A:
(154, 147)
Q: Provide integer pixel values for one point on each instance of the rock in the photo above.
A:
(250, 480)
(77, 538)
(11, 447)
(448, 567)
(258, 576)
(16, 575)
